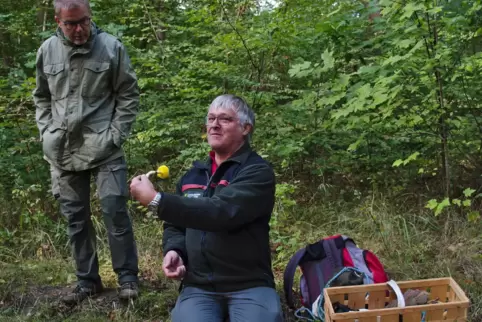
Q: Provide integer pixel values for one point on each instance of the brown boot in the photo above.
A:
(80, 293)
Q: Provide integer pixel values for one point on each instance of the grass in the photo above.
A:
(36, 267)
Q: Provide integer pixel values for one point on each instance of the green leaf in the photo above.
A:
(300, 70)
(441, 206)
(379, 98)
(405, 43)
(468, 192)
(410, 8)
(397, 163)
(328, 60)
(392, 60)
(473, 216)
(334, 12)
(364, 92)
(456, 202)
(354, 145)
(342, 82)
(331, 100)
(467, 202)
(412, 157)
(435, 10)
(431, 204)
(368, 70)
(417, 46)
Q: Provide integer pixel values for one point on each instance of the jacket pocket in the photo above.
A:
(96, 81)
(57, 79)
(98, 141)
(53, 140)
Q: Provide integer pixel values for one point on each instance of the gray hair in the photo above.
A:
(70, 4)
(244, 112)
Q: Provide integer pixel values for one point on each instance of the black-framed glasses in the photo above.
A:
(69, 25)
(222, 119)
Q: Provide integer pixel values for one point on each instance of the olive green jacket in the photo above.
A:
(86, 100)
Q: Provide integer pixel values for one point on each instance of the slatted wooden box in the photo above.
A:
(452, 302)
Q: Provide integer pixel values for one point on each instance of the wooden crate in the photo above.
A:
(452, 306)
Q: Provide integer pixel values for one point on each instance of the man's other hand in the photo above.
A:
(142, 189)
(173, 266)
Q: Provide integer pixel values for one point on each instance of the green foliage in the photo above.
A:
(464, 205)
(438, 207)
(353, 94)
(352, 98)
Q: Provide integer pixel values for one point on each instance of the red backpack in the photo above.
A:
(321, 261)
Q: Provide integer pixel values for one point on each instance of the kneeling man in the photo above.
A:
(216, 228)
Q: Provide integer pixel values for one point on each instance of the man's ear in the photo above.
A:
(247, 129)
(57, 20)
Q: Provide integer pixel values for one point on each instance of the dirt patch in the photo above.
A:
(28, 300)
(45, 302)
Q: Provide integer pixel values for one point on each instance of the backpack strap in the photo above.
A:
(289, 275)
(332, 247)
(325, 262)
(319, 262)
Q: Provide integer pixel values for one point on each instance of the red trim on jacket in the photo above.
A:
(192, 186)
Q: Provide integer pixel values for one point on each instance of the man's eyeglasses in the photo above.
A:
(222, 119)
(69, 25)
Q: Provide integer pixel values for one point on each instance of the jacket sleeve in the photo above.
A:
(174, 237)
(41, 96)
(248, 197)
(126, 91)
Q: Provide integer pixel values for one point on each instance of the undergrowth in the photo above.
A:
(36, 268)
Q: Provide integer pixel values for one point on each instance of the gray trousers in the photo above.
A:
(72, 190)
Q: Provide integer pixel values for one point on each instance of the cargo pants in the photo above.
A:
(72, 190)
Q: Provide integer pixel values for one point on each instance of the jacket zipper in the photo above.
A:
(203, 235)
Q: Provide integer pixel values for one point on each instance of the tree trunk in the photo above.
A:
(43, 7)
(445, 156)
(442, 119)
(373, 15)
(161, 32)
(6, 58)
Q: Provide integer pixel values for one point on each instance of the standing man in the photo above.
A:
(216, 230)
(86, 100)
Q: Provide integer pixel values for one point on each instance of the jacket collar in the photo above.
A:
(240, 156)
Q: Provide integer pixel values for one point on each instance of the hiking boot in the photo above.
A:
(129, 290)
(80, 293)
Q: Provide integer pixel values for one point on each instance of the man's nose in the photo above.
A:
(216, 122)
(78, 28)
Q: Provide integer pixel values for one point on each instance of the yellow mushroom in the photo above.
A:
(162, 172)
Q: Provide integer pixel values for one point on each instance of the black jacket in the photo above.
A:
(220, 224)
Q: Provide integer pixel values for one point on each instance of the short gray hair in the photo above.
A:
(70, 4)
(244, 112)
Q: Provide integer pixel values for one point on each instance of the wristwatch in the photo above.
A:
(153, 206)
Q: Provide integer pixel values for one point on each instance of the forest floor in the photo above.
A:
(36, 268)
